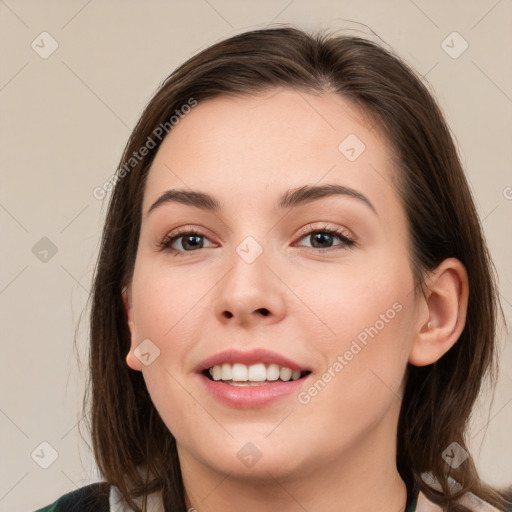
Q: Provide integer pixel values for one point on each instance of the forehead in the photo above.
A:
(256, 146)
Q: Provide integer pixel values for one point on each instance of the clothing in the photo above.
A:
(90, 498)
(100, 497)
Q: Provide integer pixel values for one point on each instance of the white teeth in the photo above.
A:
(256, 373)
(239, 371)
(285, 374)
(273, 372)
(217, 373)
(227, 374)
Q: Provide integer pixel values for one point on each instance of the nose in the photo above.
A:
(250, 294)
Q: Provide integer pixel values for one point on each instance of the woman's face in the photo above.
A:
(262, 290)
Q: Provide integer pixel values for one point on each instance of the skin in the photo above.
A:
(336, 452)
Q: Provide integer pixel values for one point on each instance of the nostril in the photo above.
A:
(264, 311)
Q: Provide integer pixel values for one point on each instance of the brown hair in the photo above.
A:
(127, 431)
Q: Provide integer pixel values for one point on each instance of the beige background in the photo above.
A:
(65, 120)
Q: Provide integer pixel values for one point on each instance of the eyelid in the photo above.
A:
(310, 228)
(190, 228)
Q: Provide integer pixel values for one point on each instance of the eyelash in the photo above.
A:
(167, 241)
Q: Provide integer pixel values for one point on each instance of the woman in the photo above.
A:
(294, 306)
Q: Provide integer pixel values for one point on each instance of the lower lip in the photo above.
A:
(247, 397)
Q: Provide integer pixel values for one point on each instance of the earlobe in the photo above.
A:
(133, 362)
(446, 299)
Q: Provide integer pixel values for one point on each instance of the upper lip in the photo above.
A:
(249, 357)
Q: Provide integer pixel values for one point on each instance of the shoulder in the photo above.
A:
(90, 498)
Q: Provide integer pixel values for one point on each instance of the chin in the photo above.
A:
(267, 468)
(250, 457)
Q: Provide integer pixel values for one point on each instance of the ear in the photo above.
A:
(133, 362)
(445, 303)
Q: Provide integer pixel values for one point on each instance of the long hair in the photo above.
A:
(127, 431)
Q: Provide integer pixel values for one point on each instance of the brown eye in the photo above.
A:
(183, 242)
(190, 241)
(323, 239)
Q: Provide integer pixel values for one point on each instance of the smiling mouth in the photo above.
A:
(259, 374)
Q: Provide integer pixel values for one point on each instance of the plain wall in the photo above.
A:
(65, 120)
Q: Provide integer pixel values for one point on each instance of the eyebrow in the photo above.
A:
(290, 199)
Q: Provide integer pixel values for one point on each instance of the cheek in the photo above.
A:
(362, 377)
(367, 320)
(173, 399)
(166, 305)
(163, 301)
(368, 302)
